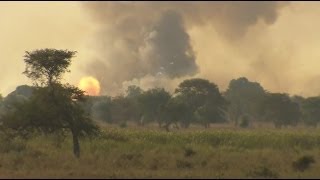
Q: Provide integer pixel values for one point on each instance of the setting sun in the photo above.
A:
(90, 85)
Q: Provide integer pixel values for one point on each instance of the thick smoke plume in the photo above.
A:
(150, 40)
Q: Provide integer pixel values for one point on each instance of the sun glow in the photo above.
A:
(90, 85)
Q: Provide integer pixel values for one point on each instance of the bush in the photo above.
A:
(189, 152)
(303, 163)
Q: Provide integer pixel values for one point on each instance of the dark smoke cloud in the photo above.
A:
(167, 48)
(139, 39)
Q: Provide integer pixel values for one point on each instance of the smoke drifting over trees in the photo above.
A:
(119, 42)
(140, 41)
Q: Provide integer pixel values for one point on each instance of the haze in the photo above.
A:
(161, 43)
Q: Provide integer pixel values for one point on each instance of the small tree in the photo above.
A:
(53, 106)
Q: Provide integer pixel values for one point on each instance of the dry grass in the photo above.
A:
(142, 153)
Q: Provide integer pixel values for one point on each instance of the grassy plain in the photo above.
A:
(153, 153)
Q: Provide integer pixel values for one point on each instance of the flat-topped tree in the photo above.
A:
(50, 111)
(46, 66)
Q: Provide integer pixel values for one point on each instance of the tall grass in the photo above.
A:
(131, 153)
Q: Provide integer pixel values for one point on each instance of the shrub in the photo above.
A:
(303, 163)
(189, 152)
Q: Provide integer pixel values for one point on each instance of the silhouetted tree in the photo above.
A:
(53, 107)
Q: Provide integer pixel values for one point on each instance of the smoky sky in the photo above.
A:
(162, 43)
(143, 39)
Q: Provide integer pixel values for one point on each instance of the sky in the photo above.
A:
(159, 44)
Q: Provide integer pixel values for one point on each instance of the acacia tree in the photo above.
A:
(46, 66)
(53, 106)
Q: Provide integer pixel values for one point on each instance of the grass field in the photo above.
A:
(143, 153)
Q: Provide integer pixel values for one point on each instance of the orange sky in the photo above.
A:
(288, 50)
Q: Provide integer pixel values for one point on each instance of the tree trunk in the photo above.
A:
(76, 145)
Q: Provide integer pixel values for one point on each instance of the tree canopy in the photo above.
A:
(203, 98)
(244, 97)
(281, 110)
(46, 66)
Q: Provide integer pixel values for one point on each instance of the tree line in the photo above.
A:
(49, 106)
(199, 101)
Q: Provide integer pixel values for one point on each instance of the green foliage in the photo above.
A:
(122, 109)
(203, 99)
(311, 111)
(176, 110)
(152, 101)
(48, 114)
(46, 66)
(134, 91)
(281, 110)
(52, 107)
(244, 97)
(303, 163)
(101, 109)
